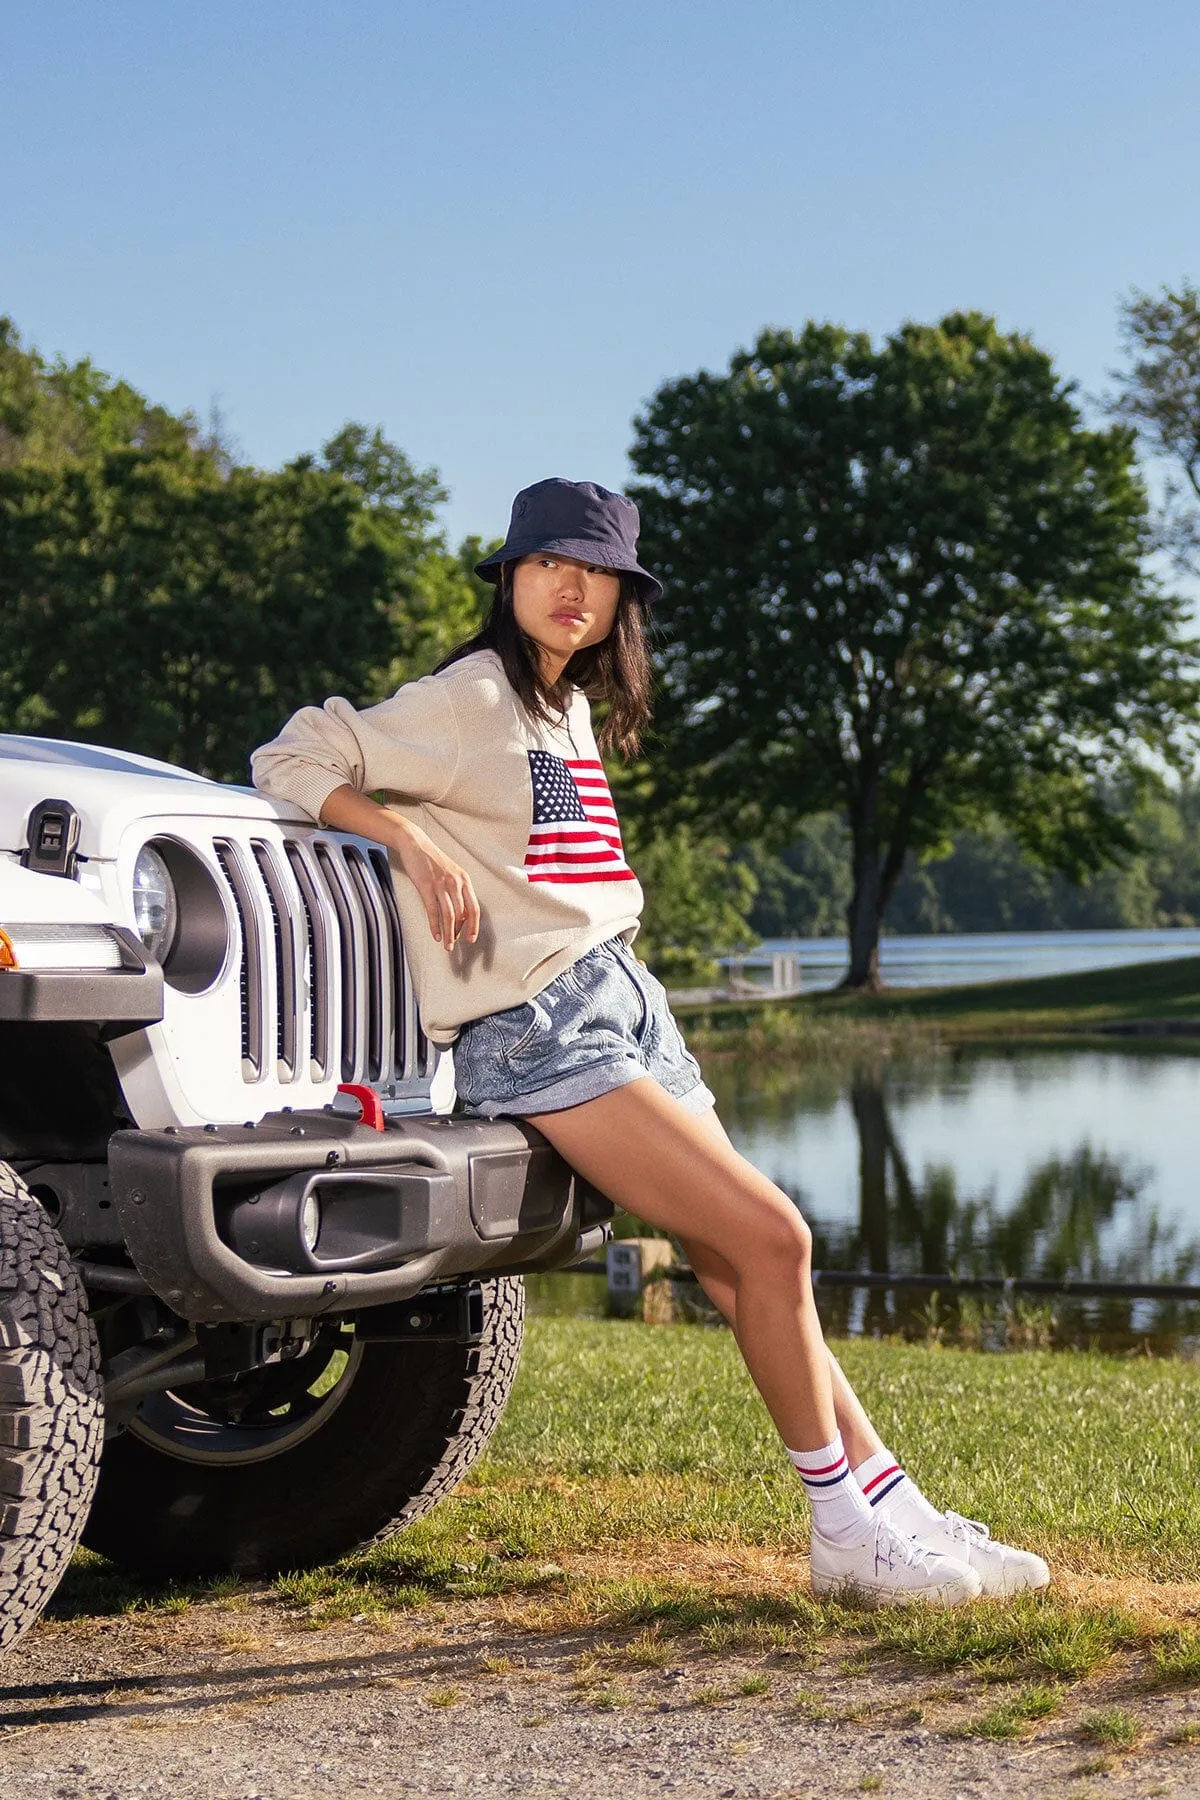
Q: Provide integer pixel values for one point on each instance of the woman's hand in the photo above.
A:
(445, 889)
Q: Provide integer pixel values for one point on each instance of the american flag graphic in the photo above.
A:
(575, 835)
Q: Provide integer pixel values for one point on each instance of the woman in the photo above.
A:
(519, 911)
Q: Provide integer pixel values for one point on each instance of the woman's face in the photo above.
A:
(563, 605)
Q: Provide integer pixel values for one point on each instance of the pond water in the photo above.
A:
(996, 1160)
(959, 960)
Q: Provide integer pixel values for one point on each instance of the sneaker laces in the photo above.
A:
(963, 1529)
(892, 1546)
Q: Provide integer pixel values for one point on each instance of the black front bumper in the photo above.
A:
(467, 1197)
(124, 1000)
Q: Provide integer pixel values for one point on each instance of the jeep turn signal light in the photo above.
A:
(8, 956)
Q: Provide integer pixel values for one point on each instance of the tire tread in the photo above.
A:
(51, 1408)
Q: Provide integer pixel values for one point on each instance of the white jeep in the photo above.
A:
(260, 1294)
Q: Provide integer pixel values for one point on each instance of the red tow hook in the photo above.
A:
(368, 1099)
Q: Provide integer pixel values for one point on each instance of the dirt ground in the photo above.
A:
(243, 1700)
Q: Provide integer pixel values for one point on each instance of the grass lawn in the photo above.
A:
(621, 1431)
(636, 1484)
(1166, 993)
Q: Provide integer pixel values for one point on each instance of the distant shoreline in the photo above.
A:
(949, 959)
(1141, 1000)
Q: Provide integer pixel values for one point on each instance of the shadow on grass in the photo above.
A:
(94, 1588)
(1037, 1634)
(388, 1577)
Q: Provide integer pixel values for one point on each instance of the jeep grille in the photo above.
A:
(324, 985)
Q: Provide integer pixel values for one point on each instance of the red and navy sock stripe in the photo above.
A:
(827, 1477)
(882, 1484)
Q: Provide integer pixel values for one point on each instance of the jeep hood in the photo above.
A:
(112, 790)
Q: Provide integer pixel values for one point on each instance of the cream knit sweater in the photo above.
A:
(523, 808)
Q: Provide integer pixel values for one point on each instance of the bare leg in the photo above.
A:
(658, 1161)
(717, 1279)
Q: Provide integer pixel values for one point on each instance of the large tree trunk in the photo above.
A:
(864, 915)
(876, 872)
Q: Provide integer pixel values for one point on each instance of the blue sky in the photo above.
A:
(495, 229)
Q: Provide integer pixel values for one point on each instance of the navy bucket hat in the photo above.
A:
(576, 519)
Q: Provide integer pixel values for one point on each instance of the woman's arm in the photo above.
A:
(328, 758)
(445, 888)
(407, 745)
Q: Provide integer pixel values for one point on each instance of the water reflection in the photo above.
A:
(1083, 1212)
(1061, 1163)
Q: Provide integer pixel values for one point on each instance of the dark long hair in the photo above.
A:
(616, 671)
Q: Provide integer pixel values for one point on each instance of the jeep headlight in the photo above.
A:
(155, 903)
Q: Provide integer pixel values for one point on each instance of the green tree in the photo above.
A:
(56, 413)
(985, 883)
(696, 900)
(436, 598)
(803, 889)
(1159, 392)
(905, 583)
(698, 893)
(157, 595)
(400, 497)
(150, 603)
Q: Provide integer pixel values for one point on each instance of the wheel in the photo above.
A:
(301, 1462)
(51, 1408)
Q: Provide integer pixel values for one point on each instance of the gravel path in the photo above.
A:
(246, 1703)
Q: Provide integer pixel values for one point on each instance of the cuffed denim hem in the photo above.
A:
(601, 1022)
(584, 1084)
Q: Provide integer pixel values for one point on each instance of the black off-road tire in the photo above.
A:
(51, 1408)
(413, 1419)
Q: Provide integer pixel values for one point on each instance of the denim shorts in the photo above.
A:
(604, 1020)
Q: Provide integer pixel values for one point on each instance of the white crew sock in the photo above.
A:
(840, 1510)
(888, 1490)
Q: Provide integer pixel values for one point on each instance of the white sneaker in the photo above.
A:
(1001, 1568)
(890, 1569)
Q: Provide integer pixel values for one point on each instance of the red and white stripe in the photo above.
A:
(570, 851)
